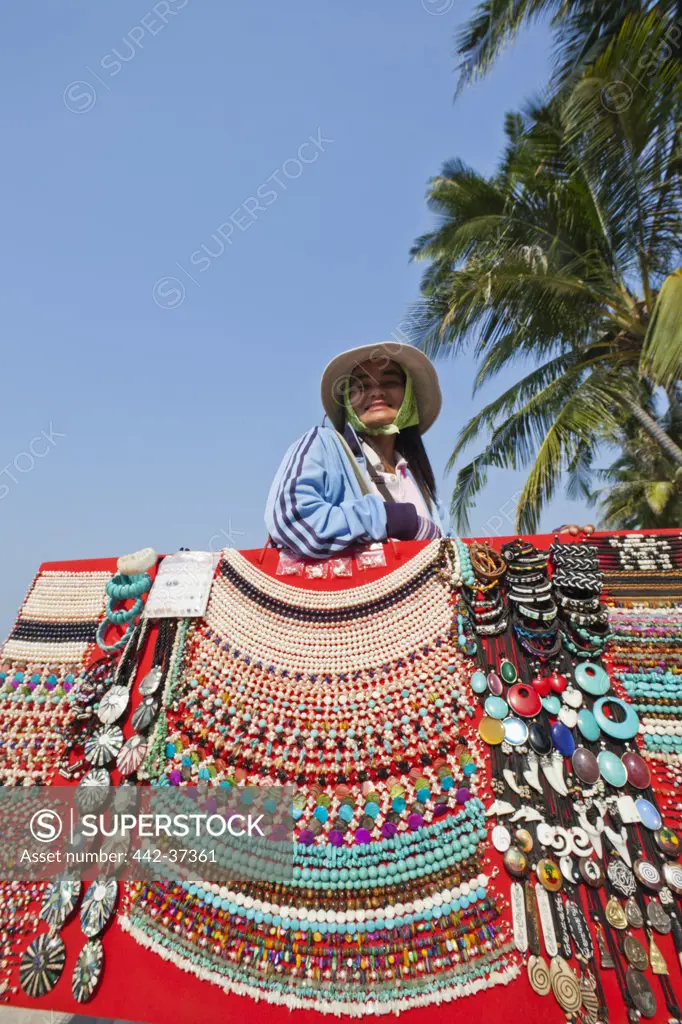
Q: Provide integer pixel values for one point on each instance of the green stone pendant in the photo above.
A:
(508, 672)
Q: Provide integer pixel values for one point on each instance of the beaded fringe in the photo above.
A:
(335, 1008)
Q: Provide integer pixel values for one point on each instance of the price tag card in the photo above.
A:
(182, 585)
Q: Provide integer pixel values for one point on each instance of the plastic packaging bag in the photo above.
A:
(371, 557)
(341, 566)
(317, 570)
(289, 564)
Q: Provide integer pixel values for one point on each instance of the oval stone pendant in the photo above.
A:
(539, 738)
(639, 775)
(495, 684)
(479, 683)
(562, 739)
(585, 765)
(587, 725)
(508, 671)
(648, 814)
(612, 769)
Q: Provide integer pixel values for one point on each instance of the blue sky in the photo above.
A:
(138, 410)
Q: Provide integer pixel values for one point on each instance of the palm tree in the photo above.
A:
(643, 488)
(582, 30)
(557, 259)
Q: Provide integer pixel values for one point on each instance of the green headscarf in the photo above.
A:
(407, 416)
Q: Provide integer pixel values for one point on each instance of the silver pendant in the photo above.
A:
(103, 746)
(546, 920)
(151, 682)
(93, 790)
(145, 713)
(657, 917)
(519, 917)
(113, 704)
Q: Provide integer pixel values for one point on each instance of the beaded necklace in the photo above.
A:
(357, 698)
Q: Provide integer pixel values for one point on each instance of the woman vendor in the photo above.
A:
(366, 476)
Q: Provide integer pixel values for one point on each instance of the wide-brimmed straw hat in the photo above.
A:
(422, 371)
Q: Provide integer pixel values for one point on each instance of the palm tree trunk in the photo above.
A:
(652, 428)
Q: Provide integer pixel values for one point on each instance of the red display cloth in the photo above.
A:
(138, 985)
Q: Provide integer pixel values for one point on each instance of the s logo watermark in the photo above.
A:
(46, 826)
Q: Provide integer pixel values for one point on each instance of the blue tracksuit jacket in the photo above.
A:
(316, 506)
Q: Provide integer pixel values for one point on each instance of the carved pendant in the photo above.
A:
(619, 841)
(546, 920)
(593, 832)
(510, 779)
(498, 808)
(605, 958)
(621, 878)
(580, 933)
(519, 917)
(532, 774)
(554, 773)
(658, 964)
(658, 918)
(538, 975)
(580, 842)
(635, 953)
(532, 922)
(627, 810)
(615, 914)
(588, 992)
(640, 992)
(562, 926)
(633, 913)
(565, 986)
